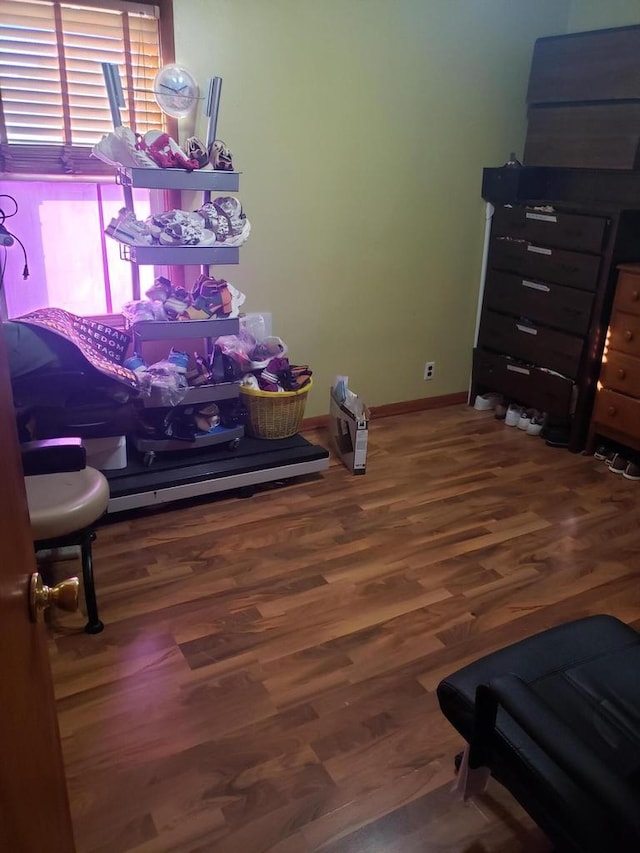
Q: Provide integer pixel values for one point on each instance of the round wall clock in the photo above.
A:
(175, 90)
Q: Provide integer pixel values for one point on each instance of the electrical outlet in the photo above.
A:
(429, 370)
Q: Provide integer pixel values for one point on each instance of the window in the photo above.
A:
(72, 265)
(53, 109)
(53, 102)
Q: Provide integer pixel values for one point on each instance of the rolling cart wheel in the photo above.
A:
(234, 445)
(148, 458)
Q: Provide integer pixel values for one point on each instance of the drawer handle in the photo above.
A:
(611, 410)
(534, 285)
(628, 335)
(527, 329)
(542, 217)
(514, 369)
(539, 250)
(621, 373)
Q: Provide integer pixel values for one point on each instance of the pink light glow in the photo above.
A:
(59, 225)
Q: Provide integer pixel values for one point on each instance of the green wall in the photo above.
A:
(601, 14)
(361, 127)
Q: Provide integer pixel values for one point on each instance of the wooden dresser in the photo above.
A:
(544, 272)
(616, 414)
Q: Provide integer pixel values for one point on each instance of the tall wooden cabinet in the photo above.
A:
(563, 223)
(616, 414)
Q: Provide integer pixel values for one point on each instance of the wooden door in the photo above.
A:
(34, 807)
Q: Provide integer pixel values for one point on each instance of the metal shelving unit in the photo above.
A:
(180, 255)
(200, 180)
(184, 473)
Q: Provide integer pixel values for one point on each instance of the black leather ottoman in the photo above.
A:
(588, 673)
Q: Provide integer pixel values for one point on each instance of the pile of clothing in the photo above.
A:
(221, 222)
(210, 298)
(279, 376)
(157, 150)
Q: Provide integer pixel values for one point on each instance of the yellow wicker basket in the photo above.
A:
(275, 415)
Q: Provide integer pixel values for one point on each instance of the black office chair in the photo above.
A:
(556, 719)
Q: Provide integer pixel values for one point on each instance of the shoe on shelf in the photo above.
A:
(178, 360)
(618, 464)
(632, 471)
(514, 413)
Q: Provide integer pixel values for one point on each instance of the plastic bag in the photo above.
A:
(163, 379)
(239, 348)
(144, 309)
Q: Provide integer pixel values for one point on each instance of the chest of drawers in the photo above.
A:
(544, 275)
(616, 414)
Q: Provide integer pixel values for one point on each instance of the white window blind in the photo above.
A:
(53, 102)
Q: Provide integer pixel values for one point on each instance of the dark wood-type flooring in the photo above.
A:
(266, 680)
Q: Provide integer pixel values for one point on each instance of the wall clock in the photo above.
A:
(175, 90)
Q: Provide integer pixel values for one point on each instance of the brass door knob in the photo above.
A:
(621, 373)
(635, 295)
(611, 410)
(63, 595)
(628, 335)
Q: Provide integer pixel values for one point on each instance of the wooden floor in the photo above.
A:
(266, 680)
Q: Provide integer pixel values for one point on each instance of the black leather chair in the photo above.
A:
(556, 718)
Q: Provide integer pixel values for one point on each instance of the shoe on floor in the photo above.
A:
(632, 471)
(513, 415)
(618, 464)
(601, 452)
(556, 436)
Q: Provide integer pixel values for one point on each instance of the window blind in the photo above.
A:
(53, 102)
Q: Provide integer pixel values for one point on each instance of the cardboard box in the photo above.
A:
(349, 435)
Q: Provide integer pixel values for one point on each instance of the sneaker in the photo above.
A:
(220, 157)
(179, 360)
(555, 436)
(513, 415)
(196, 150)
(618, 464)
(135, 363)
(535, 424)
(632, 471)
(500, 411)
(524, 422)
(486, 402)
(601, 452)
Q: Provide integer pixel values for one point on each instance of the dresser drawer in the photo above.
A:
(621, 372)
(618, 412)
(628, 292)
(544, 347)
(526, 385)
(558, 266)
(563, 307)
(624, 332)
(562, 230)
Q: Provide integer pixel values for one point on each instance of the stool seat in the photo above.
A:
(61, 504)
